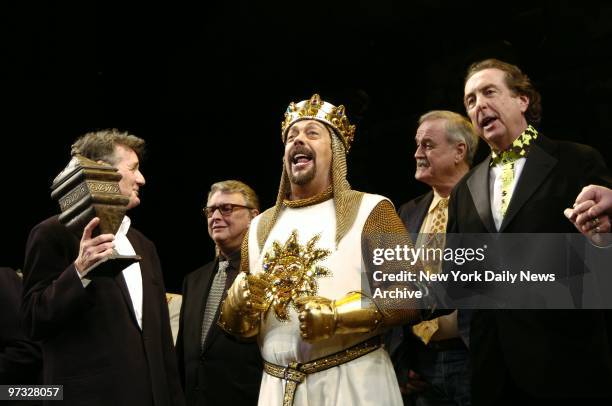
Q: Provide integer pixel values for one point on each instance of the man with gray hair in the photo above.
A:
(105, 338)
(432, 359)
(446, 144)
(217, 369)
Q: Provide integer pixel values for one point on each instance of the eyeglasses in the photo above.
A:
(225, 209)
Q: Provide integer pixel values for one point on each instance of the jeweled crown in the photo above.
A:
(327, 113)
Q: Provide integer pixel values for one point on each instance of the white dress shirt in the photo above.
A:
(495, 188)
(131, 274)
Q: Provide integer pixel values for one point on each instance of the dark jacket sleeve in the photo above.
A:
(53, 292)
(20, 358)
(180, 348)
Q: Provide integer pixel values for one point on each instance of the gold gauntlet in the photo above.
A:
(321, 318)
(241, 310)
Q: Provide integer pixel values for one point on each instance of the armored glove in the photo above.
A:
(246, 300)
(321, 318)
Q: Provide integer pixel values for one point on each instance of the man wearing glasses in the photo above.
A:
(215, 368)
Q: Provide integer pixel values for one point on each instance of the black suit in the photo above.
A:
(412, 353)
(226, 372)
(401, 343)
(20, 358)
(91, 341)
(538, 353)
(413, 213)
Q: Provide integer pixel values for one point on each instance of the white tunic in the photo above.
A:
(368, 380)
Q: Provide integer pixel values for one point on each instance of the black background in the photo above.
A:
(206, 86)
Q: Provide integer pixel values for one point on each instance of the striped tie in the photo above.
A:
(214, 298)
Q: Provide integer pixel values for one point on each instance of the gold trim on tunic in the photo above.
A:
(295, 373)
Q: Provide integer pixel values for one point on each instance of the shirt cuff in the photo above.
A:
(84, 281)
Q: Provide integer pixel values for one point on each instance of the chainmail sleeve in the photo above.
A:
(244, 253)
(383, 229)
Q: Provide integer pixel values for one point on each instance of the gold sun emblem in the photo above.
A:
(291, 271)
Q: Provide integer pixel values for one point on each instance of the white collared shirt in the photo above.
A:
(132, 274)
(495, 188)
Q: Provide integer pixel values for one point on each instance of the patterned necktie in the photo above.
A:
(436, 239)
(214, 298)
(439, 224)
(436, 233)
(518, 149)
(507, 176)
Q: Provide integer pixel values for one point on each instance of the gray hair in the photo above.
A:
(100, 145)
(235, 186)
(458, 129)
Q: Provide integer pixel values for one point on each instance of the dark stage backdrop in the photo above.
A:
(207, 86)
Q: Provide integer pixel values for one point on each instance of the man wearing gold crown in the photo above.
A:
(301, 294)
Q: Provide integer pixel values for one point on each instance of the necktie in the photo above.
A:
(435, 239)
(436, 235)
(507, 176)
(518, 149)
(440, 218)
(214, 298)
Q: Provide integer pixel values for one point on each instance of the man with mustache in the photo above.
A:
(318, 323)
(432, 361)
(527, 356)
(105, 338)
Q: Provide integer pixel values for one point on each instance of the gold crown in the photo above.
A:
(327, 113)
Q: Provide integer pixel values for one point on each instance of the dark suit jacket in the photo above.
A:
(543, 353)
(227, 372)
(91, 341)
(401, 343)
(413, 213)
(20, 358)
(404, 358)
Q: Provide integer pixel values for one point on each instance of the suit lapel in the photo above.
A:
(204, 286)
(151, 285)
(415, 221)
(478, 184)
(120, 280)
(537, 167)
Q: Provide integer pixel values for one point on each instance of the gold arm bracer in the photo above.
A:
(356, 313)
(321, 318)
